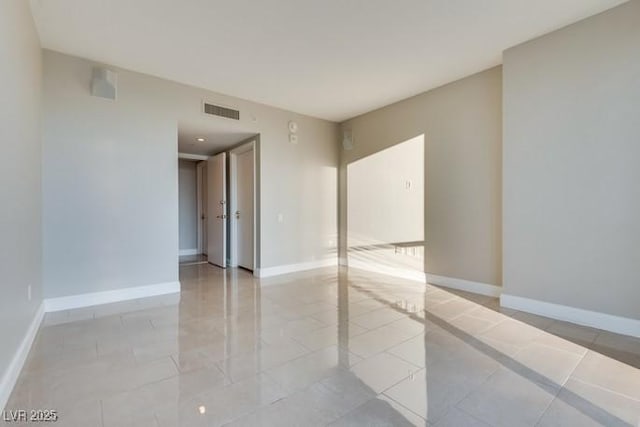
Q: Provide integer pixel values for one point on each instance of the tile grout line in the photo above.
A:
(491, 375)
(469, 415)
(401, 405)
(555, 397)
(605, 389)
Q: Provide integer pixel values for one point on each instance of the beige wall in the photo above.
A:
(462, 126)
(20, 177)
(571, 165)
(381, 207)
(111, 179)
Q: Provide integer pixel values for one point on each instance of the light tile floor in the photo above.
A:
(325, 347)
(192, 259)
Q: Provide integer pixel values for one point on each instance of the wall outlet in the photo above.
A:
(29, 292)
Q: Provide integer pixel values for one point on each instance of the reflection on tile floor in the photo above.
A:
(324, 348)
(192, 259)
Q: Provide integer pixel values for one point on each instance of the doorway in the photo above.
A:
(385, 210)
(190, 211)
(242, 218)
(226, 159)
(187, 211)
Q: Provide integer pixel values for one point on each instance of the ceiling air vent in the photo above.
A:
(217, 110)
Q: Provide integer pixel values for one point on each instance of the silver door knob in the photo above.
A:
(237, 214)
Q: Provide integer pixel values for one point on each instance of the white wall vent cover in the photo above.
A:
(217, 110)
(104, 83)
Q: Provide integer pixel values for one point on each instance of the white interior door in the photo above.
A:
(244, 206)
(205, 216)
(201, 173)
(217, 210)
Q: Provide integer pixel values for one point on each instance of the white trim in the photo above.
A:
(464, 285)
(187, 156)
(10, 376)
(186, 252)
(106, 297)
(233, 201)
(247, 146)
(292, 268)
(594, 319)
(416, 276)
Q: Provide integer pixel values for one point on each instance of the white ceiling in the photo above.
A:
(332, 59)
(217, 135)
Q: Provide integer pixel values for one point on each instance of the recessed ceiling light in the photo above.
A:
(202, 409)
(200, 139)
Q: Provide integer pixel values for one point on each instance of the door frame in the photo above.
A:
(233, 199)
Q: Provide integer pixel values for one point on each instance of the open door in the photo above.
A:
(244, 209)
(217, 210)
(201, 196)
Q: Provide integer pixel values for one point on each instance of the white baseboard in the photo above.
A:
(416, 276)
(106, 297)
(292, 268)
(464, 285)
(10, 376)
(186, 252)
(594, 319)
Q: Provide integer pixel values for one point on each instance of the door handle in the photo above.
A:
(221, 216)
(237, 214)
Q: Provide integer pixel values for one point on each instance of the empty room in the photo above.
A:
(295, 213)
